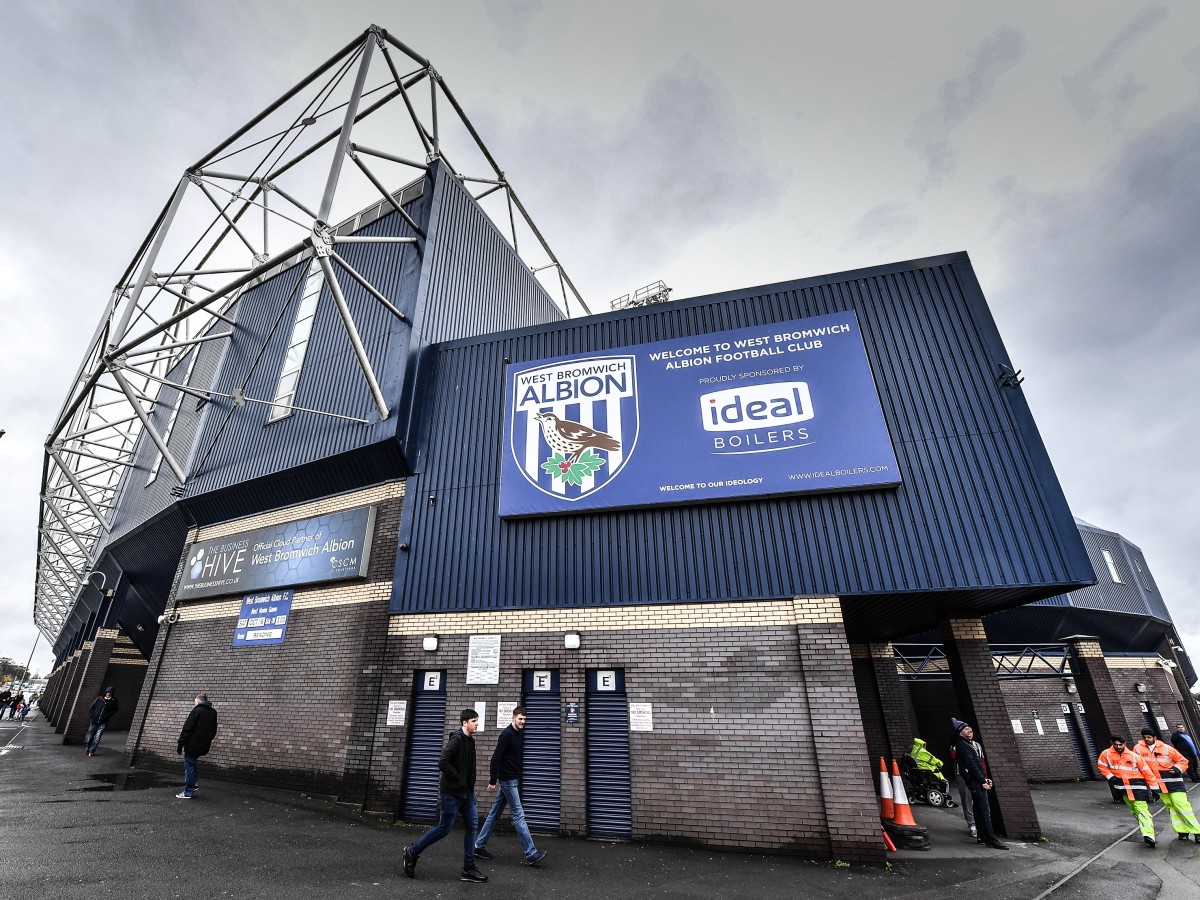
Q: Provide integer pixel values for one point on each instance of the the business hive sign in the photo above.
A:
(332, 547)
(784, 408)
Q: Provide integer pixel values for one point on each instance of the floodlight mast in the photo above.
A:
(153, 319)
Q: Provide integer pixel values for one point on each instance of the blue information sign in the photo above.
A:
(263, 619)
(784, 408)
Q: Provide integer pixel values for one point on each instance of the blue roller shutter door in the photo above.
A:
(609, 807)
(541, 781)
(427, 735)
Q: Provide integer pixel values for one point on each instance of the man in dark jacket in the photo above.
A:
(970, 766)
(508, 762)
(1182, 741)
(457, 788)
(195, 739)
(102, 709)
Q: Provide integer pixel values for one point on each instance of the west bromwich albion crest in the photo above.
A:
(574, 424)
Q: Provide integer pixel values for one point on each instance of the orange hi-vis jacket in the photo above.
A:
(1135, 773)
(1167, 763)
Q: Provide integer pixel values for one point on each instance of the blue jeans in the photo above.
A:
(94, 732)
(451, 808)
(189, 774)
(511, 797)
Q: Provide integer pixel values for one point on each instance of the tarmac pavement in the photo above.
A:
(79, 828)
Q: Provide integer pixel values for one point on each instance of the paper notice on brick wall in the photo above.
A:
(1062, 724)
(397, 710)
(504, 713)
(481, 708)
(483, 659)
(1018, 728)
(641, 717)
(1162, 724)
(1037, 723)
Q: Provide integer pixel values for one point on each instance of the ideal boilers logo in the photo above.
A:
(759, 418)
(574, 424)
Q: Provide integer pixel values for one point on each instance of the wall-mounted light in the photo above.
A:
(571, 641)
(1140, 688)
(429, 643)
(1070, 683)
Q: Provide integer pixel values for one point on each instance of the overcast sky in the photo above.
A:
(709, 145)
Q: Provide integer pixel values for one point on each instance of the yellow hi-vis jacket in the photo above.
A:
(1135, 773)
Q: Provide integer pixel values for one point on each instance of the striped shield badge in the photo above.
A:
(574, 424)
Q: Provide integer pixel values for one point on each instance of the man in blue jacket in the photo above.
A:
(508, 763)
(457, 787)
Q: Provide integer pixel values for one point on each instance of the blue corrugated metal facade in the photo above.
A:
(979, 522)
(462, 279)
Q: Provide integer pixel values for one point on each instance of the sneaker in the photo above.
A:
(91, 753)
(481, 853)
(974, 833)
(410, 863)
(1149, 840)
(472, 875)
(538, 856)
(182, 796)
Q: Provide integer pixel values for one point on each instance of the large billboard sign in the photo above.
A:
(332, 547)
(785, 408)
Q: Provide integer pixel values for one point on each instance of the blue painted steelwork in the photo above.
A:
(979, 523)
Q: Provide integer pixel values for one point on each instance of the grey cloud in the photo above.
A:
(511, 20)
(958, 98)
(1080, 87)
(680, 163)
(1100, 314)
(883, 227)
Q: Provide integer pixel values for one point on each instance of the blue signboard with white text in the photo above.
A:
(263, 619)
(785, 408)
(331, 547)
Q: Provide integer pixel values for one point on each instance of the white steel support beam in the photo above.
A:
(147, 425)
(360, 352)
(335, 170)
(79, 489)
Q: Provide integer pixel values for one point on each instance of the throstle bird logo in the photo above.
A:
(574, 424)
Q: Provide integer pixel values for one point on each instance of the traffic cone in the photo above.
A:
(887, 808)
(887, 843)
(902, 812)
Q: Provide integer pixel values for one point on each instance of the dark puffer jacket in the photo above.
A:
(198, 730)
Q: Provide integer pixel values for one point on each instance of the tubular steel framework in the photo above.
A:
(257, 200)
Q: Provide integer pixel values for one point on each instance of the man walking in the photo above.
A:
(457, 788)
(1182, 741)
(199, 729)
(507, 765)
(970, 765)
(102, 709)
(1129, 773)
(1168, 765)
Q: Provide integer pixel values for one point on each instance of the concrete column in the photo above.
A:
(92, 672)
(839, 746)
(1097, 692)
(982, 706)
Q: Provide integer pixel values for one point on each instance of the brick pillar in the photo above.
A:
(898, 712)
(92, 671)
(70, 687)
(874, 725)
(839, 745)
(1097, 692)
(982, 706)
(54, 688)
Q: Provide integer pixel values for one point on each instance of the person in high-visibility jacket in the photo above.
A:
(1169, 765)
(924, 759)
(1131, 774)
